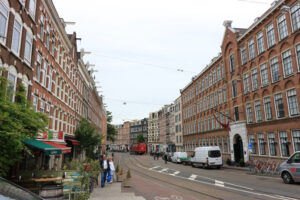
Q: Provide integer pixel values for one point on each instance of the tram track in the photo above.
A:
(141, 168)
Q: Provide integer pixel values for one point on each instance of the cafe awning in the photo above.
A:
(64, 148)
(74, 142)
(48, 149)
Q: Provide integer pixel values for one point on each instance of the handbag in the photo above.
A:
(109, 177)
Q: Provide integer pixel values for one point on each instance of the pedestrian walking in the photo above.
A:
(105, 169)
(112, 170)
(166, 158)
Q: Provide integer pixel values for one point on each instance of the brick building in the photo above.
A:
(137, 127)
(123, 137)
(252, 85)
(153, 131)
(178, 125)
(166, 121)
(36, 50)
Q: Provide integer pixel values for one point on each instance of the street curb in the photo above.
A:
(235, 168)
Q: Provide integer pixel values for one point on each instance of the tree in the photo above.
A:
(140, 138)
(111, 130)
(88, 137)
(18, 121)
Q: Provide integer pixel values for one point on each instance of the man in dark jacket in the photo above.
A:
(105, 169)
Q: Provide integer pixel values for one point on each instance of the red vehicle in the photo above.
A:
(138, 148)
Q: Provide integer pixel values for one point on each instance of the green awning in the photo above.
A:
(48, 149)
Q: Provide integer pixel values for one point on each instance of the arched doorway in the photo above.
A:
(238, 148)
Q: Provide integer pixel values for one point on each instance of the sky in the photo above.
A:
(145, 51)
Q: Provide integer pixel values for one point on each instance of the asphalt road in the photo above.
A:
(211, 183)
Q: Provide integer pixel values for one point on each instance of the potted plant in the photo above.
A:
(127, 182)
(120, 175)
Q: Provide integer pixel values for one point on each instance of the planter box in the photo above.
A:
(127, 183)
(120, 178)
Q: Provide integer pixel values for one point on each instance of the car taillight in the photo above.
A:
(177, 158)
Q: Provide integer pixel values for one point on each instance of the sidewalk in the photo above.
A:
(113, 192)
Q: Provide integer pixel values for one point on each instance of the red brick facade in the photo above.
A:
(257, 90)
(59, 83)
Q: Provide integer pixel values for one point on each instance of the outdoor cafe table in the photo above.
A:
(39, 181)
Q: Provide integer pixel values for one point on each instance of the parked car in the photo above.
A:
(177, 155)
(186, 161)
(290, 169)
(11, 191)
(207, 157)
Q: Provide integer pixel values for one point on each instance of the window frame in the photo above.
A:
(287, 99)
(259, 36)
(19, 21)
(273, 31)
(278, 27)
(7, 8)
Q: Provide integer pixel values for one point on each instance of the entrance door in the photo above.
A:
(238, 148)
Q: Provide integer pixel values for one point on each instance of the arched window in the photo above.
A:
(17, 33)
(32, 5)
(11, 84)
(4, 15)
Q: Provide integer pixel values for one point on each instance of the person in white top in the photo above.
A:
(112, 169)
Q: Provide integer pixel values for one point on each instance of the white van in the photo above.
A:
(207, 157)
(177, 155)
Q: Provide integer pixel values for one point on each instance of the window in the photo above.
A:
(211, 100)
(16, 38)
(234, 89)
(292, 102)
(282, 27)
(261, 144)
(44, 71)
(257, 109)
(48, 35)
(284, 144)
(249, 113)
(246, 83)
(287, 63)
(296, 139)
(224, 144)
(264, 75)
(219, 72)
(271, 35)
(279, 105)
(236, 114)
(220, 96)
(295, 14)
(216, 98)
(225, 93)
(4, 14)
(253, 143)
(210, 79)
(268, 109)
(212, 123)
(298, 56)
(50, 79)
(32, 4)
(251, 48)
(275, 70)
(254, 78)
(42, 106)
(214, 76)
(28, 47)
(243, 55)
(35, 103)
(231, 60)
(11, 86)
(38, 67)
(42, 27)
(272, 144)
(53, 45)
(260, 42)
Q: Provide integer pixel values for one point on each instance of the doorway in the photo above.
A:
(238, 148)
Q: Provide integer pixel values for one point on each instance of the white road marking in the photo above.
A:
(154, 167)
(163, 170)
(229, 188)
(219, 183)
(175, 173)
(192, 177)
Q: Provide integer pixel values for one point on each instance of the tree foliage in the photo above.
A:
(140, 138)
(18, 121)
(88, 137)
(111, 130)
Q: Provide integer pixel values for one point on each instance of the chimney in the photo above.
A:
(227, 23)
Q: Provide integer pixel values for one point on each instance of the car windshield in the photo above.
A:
(214, 153)
(296, 158)
(10, 191)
